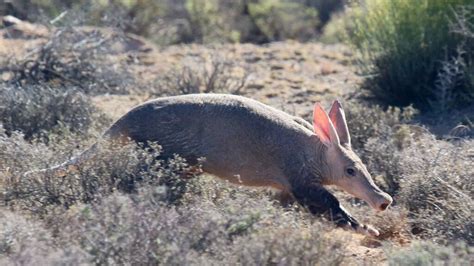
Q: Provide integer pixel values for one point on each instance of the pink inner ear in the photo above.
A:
(321, 123)
(338, 119)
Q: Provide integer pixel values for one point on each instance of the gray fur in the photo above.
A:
(247, 142)
(242, 140)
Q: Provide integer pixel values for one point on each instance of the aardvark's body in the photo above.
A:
(250, 143)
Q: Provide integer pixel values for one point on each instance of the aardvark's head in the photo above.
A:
(343, 167)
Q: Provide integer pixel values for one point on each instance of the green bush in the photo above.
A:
(169, 22)
(326, 8)
(415, 53)
(282, 19)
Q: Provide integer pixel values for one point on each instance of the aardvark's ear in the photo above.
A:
(323, 126)
(338, 119)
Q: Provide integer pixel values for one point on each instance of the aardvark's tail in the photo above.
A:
(70, 166)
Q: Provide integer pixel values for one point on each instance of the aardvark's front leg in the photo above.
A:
(320, 201)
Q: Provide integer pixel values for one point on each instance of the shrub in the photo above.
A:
(336, 30)
(341, 27)
(170, 22)
(280, 20)
(112, 168)
(214, 76)
(230, 226)
(413, 52)
(291, 246)
(436, 188)
(205, 22)
(366, 121)
(39, 110)
(427, 253)
(429, 177)
(73, 58)
(375, 131)
(326, 8)
(25, 242)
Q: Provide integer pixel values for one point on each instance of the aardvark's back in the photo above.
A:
(241, 139)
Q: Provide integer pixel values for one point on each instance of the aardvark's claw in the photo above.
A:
(367, 230)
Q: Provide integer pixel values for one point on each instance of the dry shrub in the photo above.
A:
(216, 75)
(234, 228)
(369, 124)
(372, 121)
(428, 253)
(18, 156)
(24, 242)
(437, 188)
(73, 57)
(289, 246)
(123, 168)
(39, 110)
(429, 177)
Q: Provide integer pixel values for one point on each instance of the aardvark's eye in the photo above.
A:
(350, 171)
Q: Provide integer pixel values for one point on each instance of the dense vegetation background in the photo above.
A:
(403, 68)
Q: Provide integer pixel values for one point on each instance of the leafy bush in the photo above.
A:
(169, 22)
(39, 110)
(341, 27)
(280, 20)
(413, 52)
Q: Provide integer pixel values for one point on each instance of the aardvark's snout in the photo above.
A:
(382, 201)
(369, 192)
